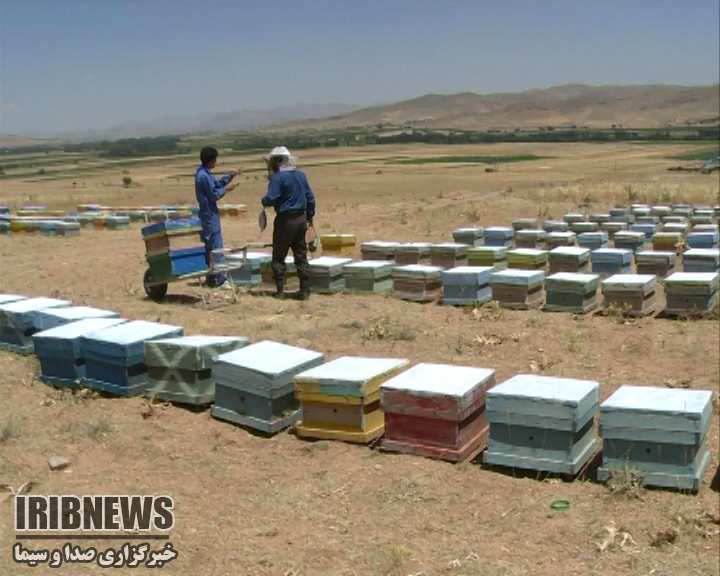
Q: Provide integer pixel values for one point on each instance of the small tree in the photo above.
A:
(126, 181)
(41, 171)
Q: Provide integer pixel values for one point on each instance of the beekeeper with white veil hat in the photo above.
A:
(289, 193)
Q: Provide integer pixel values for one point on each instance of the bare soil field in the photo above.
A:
(249, 505)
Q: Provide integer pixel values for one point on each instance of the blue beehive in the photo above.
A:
(166, 225)
(499, 236)
(610, 261)
(542, 423)
(17, 322)
(254, 386)
(701, 260)
(59, 350)
(555, 226)
(647, 229)
(658, 433)
(466, 285)
(250, 273)
(703, 239)
(53, 317)
(593, 240)
(114, 357)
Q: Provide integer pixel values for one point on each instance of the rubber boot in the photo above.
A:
(280, 285)
(304, 291)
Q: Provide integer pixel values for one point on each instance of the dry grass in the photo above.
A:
(274, 506)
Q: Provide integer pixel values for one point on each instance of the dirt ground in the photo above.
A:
(248, 505)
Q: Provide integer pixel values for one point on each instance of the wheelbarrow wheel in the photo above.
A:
(157, 291)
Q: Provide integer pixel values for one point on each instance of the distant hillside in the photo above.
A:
(212, 122)
(648, 106)
(15, 141)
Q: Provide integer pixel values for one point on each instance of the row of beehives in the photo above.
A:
(438, 411)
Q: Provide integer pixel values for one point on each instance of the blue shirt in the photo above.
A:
(289, 190)
(208, 190)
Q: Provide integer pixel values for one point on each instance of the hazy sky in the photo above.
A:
(91, 64)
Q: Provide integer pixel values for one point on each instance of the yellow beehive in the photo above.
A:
(668, 241)
(343, 245)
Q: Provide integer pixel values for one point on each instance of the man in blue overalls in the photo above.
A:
(294, 202)
(208, 191)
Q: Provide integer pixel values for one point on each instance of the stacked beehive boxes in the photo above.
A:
(632, 294)
(629, 240)
(340, 400)
(525, 224)
(378, 250)
(495, 256)
(370, 276)
(573, 218)
(569, 259)
(701, 260)
(518, 289)
(691, 292)
(173, 249)
(648, 229)
(466, 285)
(53, 317)
(341, 245)
(437, 411)
(249, 272)
(593, 240)
(585, 227)
(254, 386)
(180, 369)
(668, 241)
(471, 236)
(326, 274)
(621, 215)
(599, 218)
(499, 236)
(417, 282)
(527, 259)
(612, 228)
(18, 322)
(556, 239)
(59, 349)
(555, 226)
(448, 255)
(708, 239)
(609, 261)
(542, 423)
(569, 292)
(530, 238)
(115, 356)
(660, 435)
(659, 263)
(412, 253)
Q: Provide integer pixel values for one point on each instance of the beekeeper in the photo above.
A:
(208, 190)
(289, 193)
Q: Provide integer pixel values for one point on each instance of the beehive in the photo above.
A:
(53, 317)
(370, 276)
(340, 245)
(466, 285)
(254, 386)
(609, 261)
(115, 357)
(326, 274)
(412, 253)
(701, 260)
(18, 322)
(448, 255)
(569, 259)
(417, 282)
(633, 294)
(657, 433)
(542, 423)
(518, 289)
(530, 238)
(569, 292)
(593, 240)
(556, 239)
(658, 263)
(499, 236)
(60, 352)
(555, 226)
(378, 250)
(527, 259)
(668, 241)
(436, 411)
(471, 236)
(628, 240)
(495, 256)
(180, 369)
(341, 399)
(691, 292)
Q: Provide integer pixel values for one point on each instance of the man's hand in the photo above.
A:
(238, 172)
(230, 187)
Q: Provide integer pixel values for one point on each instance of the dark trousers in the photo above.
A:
(213, 240)
(289, 231)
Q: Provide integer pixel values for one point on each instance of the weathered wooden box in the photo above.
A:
(254, 386)
(466, 285)
(448, 255)
(499, 236)
(470, 236)
(59, 350)
(633, 294)
(701, 260)
(373, 276)
(115, 358)
(609, 261)
(341, 399)
(569, 292)
(495, 256)
(180, 369)
(569, 259)
(530, 238)
(378, 250)
(658, 263)
(518, 289)
(436, 411)
(326, 274)
(659, 433)
(527, 259)
(542, 423)
(18, 322)
(417, 282)
(412, 253)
